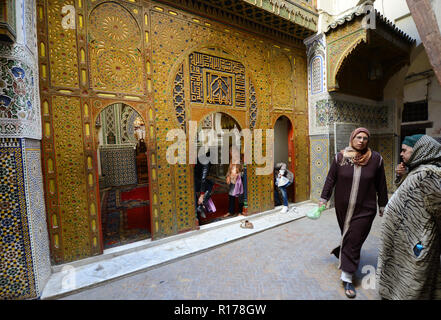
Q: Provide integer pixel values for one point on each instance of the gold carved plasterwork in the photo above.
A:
(179, 97)
(70, 165)
(302, 151)
(219, 88)
(253, 105)
(62, 45)
(339, 49)
(115, 49)
(170, 39)
(282, 82)
(174, 39)
(341, 42)
(116, 42)
(71, 179)
(300, 82)
(216, 81)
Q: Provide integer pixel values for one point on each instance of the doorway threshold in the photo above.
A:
(130, 259)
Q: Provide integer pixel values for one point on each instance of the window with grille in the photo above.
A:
(415, 111)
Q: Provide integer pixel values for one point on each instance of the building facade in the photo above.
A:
(94, 67)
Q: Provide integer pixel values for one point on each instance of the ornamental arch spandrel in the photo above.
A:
(138, 53)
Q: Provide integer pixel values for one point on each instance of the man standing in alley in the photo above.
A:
(409, 257)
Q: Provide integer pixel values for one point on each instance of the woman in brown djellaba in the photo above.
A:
(357, 174)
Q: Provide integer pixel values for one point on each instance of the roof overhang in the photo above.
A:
(367, 35)
(287, 20)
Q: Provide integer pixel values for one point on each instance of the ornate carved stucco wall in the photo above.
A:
(176, 38)
(140, 53)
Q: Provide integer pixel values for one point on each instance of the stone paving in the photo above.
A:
(288, 262)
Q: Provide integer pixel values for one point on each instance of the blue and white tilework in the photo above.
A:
(16, 266)
(319, 164)
(24, 255)
(36, 212)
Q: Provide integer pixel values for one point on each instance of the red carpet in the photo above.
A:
(138, 218)
(141, 193)
(125, 215)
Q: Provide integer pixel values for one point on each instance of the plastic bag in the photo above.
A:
(282, 181)
(316, 212)
(238, 187)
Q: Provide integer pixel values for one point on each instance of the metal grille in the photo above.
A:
(415, 111)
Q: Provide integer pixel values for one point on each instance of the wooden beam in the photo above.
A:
(427, 26)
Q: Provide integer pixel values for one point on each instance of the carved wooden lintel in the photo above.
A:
(7, 21)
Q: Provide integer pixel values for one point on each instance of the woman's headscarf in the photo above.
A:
(426, 150)
(354, 156)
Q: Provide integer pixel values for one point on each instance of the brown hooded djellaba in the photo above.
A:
(357, 187)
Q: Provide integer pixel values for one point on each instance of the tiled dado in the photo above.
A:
(24, 254)
(322, 154)
(319, 164)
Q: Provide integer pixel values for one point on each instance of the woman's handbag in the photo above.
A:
(238, 187)
(210, 206)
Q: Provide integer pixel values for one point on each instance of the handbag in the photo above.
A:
(210, 206)
(282, 181)
(238, 187)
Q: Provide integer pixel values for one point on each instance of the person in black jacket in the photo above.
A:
(203, 186)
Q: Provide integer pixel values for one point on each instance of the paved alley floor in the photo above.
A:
(288, 262)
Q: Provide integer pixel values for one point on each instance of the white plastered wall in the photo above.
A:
(336, 7)
(398, 12)
(420, 84)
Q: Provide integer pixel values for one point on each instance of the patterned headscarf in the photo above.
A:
(352, 155)
(425, 151)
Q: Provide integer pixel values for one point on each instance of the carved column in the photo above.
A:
(320, 143)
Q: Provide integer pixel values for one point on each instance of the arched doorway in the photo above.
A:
(222, 125)
(123, 175)
(284, 152)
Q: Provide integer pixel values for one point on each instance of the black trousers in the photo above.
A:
(207, 194)
(232, 205)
